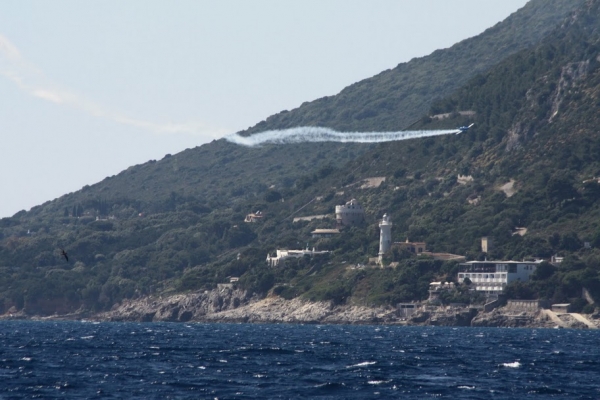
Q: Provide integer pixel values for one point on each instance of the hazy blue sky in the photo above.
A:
(93, 87)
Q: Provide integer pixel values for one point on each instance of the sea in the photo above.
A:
(91, 360)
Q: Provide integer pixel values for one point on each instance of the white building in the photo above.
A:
(254, 217)
(385, 236)
(282, 255)
(349, 214)
(324, 233)
(491, 277)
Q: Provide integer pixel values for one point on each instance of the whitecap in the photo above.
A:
(87, 337)
(467, 387)
(515, 364)
(376, 382)
(363, 364)
(26, 359)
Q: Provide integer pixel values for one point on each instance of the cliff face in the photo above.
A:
(177, 308)
(233, 305)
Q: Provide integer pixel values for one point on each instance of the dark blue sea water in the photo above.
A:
(207, 361)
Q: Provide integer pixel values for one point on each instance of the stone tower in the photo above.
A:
(349, 214)
(385, 236)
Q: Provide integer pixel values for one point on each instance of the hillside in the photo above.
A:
(532, 164)
(177, 224)
(396, 98)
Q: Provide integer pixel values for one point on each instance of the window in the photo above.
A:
(461, 275)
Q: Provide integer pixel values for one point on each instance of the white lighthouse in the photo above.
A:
(385, 236)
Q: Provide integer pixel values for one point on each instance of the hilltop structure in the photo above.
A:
(349, 214)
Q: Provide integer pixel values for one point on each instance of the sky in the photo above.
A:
(92, 88)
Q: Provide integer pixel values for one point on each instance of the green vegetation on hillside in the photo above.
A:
(178, 224)
(396, 98)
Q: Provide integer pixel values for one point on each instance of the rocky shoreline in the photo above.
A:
(229, 305)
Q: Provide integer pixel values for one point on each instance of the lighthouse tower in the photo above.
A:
(385, 236)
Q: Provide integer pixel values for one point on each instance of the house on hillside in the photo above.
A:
(491, 277)
(281, 255)
(413, 247)
(324, 233)
(254, 217)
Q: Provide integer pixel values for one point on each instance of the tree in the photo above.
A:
(520, 291)
(559, 187)
(272, 196)
(570, 242)
(543, 271)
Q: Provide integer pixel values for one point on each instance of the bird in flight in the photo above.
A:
(64, 254)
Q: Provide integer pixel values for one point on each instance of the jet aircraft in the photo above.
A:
(464, 128)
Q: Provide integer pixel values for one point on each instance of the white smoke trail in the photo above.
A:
(32, 80)
(318, 134)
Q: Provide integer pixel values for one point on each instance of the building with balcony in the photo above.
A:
(491, 277)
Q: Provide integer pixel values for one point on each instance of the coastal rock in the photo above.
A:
(229, 305)
(444, 317)
(498, 318)
(177, 308)
(275, 309)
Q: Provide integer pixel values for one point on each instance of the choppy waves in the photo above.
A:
(82, 360)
